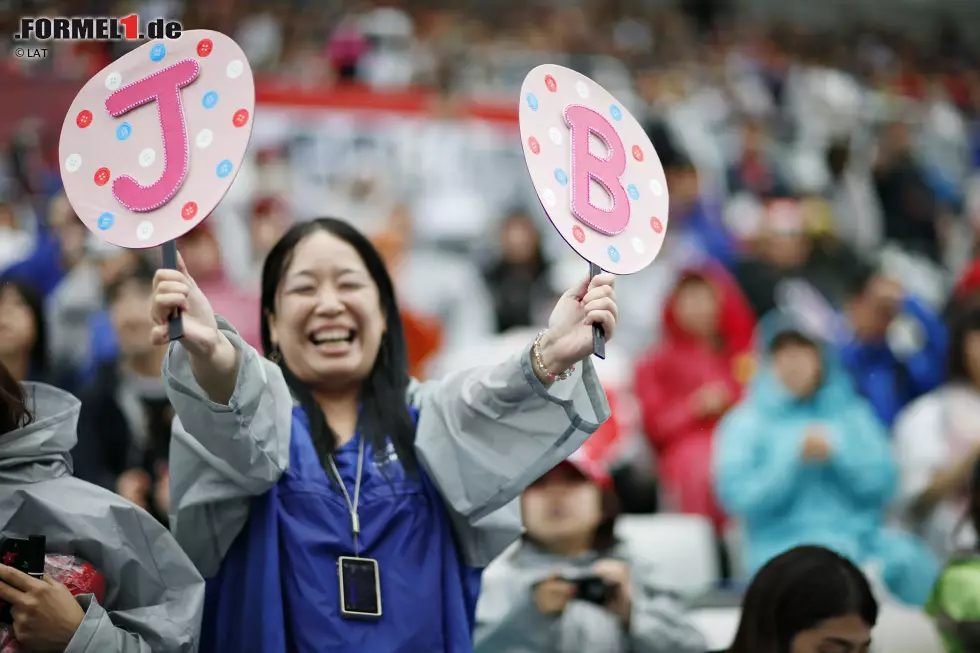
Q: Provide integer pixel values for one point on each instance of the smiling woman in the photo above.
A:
(327, 495)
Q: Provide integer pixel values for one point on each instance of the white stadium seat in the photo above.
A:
(681, 549)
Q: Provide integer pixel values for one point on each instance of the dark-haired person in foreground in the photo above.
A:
(807, 600)
(325, 449)
(154, 596)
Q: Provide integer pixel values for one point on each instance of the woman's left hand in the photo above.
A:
(617, 574)
(45, 614)
(568, 339)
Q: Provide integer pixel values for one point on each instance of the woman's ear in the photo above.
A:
(270, 320)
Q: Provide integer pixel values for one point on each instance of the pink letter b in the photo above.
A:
(163, 87)
(587, 167)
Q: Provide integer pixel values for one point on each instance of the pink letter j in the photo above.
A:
(164, 87)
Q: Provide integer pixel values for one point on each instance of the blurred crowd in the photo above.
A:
(801, 365)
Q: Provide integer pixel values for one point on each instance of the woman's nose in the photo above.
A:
(328, 302)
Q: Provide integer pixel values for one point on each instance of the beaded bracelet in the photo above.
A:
(552, 377)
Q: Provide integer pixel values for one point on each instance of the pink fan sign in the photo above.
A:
(595, 170)
(153, 142)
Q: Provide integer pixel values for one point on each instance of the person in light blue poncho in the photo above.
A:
(804, 460)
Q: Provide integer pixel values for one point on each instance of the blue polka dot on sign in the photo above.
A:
(613, 254)
(105, 221)
(209, 100)
(158, 52)
(224, 169)
(615, 112)
(124, 131)
(532, 101)
(561, 177)
(633, 192)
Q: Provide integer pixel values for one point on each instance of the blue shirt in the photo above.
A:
(278, 591)
(890, 382)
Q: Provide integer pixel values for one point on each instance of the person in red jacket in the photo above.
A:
(687, 381)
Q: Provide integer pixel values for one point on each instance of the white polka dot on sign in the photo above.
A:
(235, 68)
(204, 138)
(147, 157)
(549, 197)
(144, 230)
(113, 81)
(582, 89)
(73, 162)
(638, 245)
(656, 187)
(555, 135)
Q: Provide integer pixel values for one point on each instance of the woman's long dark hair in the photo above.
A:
(38, 356)
(794, 592)
(14, 413)
(385, 416)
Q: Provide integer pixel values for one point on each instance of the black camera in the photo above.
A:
(593, 589)
(24, 554)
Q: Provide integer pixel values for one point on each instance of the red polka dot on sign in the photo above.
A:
(84, 118)
(550, 82)
(534, 145)
(241, 117)
(204, 47)
(657, 225)
(578, 233)
(189, 211)
(637, 153)
(102, 176)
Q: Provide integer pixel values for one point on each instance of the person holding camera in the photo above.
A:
(569, 585)
(153, 599)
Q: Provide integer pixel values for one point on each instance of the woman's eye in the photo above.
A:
(302, 290)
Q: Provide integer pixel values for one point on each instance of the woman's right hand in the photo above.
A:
(214, 360)
(176, 290)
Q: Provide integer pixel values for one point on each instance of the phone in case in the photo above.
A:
(360, 588)
(25, 554)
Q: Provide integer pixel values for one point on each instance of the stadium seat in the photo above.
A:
(718, 625)
(733, 540)
(903, 629)
(680, 547)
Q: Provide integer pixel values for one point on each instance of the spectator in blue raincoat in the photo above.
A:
(803, 460)
(896, 348)
(268, 454)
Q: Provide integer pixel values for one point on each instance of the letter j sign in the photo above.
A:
(153, 141)
(594, 169)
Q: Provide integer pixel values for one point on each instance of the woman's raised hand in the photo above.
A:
(176, 290)
(569, 336)
(214, 360)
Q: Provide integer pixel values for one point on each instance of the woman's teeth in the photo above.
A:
(332, 337)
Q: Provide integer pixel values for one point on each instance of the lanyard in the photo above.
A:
(355, 523)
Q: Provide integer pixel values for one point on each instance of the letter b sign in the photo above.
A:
(587, 167)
